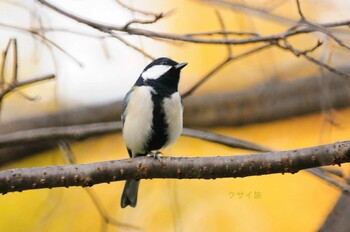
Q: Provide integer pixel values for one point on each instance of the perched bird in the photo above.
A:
(151, 115)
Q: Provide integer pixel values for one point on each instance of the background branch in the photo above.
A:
(76, 132)
(252, 105)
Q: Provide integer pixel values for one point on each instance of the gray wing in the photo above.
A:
(125, 104)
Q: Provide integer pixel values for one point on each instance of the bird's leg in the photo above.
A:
(155, 155)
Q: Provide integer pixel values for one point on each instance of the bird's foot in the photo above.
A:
(155, 155)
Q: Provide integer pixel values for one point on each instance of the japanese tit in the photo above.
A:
(151, 115)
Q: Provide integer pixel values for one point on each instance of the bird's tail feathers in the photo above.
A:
(129, 196)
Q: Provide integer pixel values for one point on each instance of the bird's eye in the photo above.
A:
(163, 63)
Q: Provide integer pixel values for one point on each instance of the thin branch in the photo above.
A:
(38, 32)
(43, 38)
(214, 33)
(87, 175)
(252, 10)
(204, 79)
(223, 28)
(320, 28)
(146, 13)
(342, 186)
(217, 68)
(156, 18)
(302, 17)
(14, 84)
(67, 152)
(15, 62)
(114, 35)
(26, 96)
(134, 31)
(287, 46)
(19, 84)
(3, 62)
(221, 65)
(332, 171)
(223, 140)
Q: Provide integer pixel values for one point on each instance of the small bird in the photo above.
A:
(151, 115)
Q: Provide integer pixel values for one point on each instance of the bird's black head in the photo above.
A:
(162, 73)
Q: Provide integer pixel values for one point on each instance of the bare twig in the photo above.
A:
(38, 31)
(156, 18)
(85, 175)
(300, 11)
(14, 83)
(15, 62)
(218, 67)
(19, 84)
(134, 31)
(223, 140)
(3, 62)
(287, 46)
(213, 33)
(114, 35)
(146, 13)
(44, 39)
(26, 96)
(333, 171)
(223, 28)
(221, 65)
(252, 11)
(319, 27)
(67, 152)
(342, 186)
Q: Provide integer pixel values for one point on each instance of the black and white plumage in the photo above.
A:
(151, 115)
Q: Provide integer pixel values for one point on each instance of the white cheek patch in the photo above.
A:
(155, 72)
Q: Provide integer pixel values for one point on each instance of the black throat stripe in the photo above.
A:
(159, 135)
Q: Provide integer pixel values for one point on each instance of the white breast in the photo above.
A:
(173, 111)
(138, 122)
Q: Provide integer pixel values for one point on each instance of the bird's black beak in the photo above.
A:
(180, 65)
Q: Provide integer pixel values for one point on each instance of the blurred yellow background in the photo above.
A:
(298, 202)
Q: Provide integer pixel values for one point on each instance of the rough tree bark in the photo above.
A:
(20, 179)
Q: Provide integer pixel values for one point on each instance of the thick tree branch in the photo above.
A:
(85, 175)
